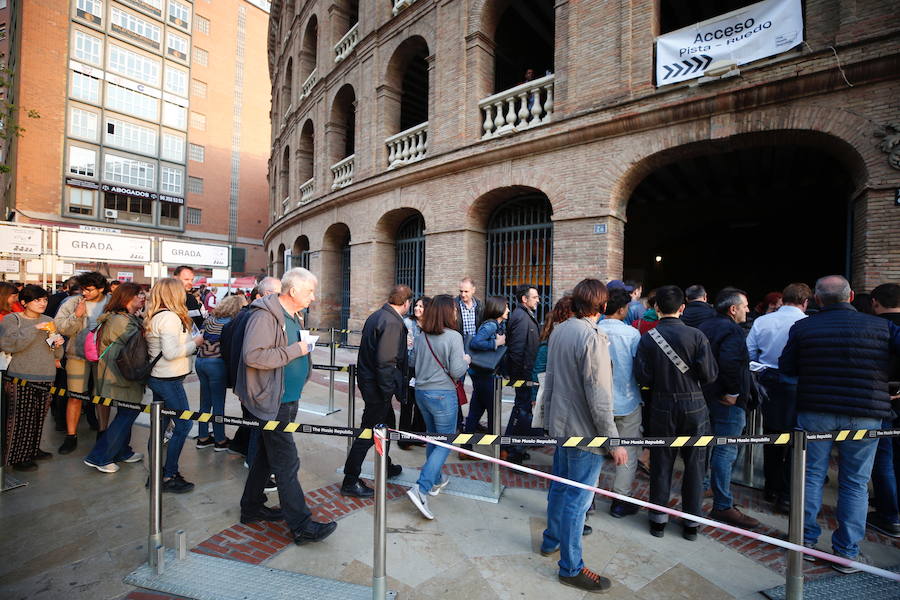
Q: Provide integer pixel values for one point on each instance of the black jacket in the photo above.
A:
(382, 353)
(479, 315)
(523, 336)
(193, 306)
(697, 312)
(842, 360)
(653, 368)
(231, 341)
(54, 302)
(728, 342)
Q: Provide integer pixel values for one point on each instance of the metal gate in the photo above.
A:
(345, 286)
(520, 249)
(410, 255)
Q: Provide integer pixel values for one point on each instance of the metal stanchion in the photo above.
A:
(156, 433)
(379, 579)
(794, 575)
(7, 482)
(331, 358)
(351, 403)
(498, 418)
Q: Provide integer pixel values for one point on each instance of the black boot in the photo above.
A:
(70, 443)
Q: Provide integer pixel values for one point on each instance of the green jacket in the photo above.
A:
(116, 329)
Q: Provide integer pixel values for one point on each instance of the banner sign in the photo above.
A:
(100, 247)
(763, 29)
(9, 266)
(21, 240)
(197, 255)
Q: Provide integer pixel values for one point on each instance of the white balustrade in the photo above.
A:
(306, 191)
(308, 84)
(401, 4)
(518, 108)
(347, 43)
(342, 173)
(407, 146)
(284, 205)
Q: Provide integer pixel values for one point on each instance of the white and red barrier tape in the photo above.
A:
(670, 511)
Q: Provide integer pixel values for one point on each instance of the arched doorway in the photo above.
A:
(278, 269)
(756, 213)
(525, 39)
(306, 162)
(406, 113)
(409, 250)
(333, 309)
(341, 132)
(520, 249)
(308, 53)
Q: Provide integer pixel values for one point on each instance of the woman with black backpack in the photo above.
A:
(118, 323)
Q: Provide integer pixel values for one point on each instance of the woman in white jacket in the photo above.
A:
(170, 345)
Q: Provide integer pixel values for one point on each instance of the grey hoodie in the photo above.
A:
(260, 376)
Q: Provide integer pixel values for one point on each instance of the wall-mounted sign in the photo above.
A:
(199, 255)
(125, 276)
(98, 246)
(9, 266)
(172, 199)
(81, 183)
(21, 240)
(600, 228)
(127, 191)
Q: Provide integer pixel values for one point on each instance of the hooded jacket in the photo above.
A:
(266, 351)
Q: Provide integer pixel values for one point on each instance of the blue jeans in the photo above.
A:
(884, 477)
(855, 459)
(726, 421)
(213, 378)
(114, 446)
(438, 408)
(567, 505)
(171, 392)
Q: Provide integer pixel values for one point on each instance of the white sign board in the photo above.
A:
(220, 274)
(125, 276)
(741, 36)
(21, 240)
(9, 266)
(64, 268)
(197, 255)
(100, 247)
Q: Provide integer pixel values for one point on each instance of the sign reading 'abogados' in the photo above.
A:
(97, 246)
(195, 255)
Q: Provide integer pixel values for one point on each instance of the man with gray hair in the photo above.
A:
(841, 359)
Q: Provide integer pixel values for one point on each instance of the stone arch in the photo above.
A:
(341, 128)
(384, 251)
(407, 77)
(284, 178)
(306, 152)
(331, 301)
(287, 86)
(278, 266)
(301, 244)
(344, 15)
(309, 48)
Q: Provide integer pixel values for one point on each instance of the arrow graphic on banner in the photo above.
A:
(685, 67)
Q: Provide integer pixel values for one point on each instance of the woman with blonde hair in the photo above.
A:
(213, 374)
(169, 342)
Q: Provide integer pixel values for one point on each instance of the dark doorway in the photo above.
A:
(345, 287)
(525, 40)
(675, 14)
(410, 255)
(414, 99)
(754, 217)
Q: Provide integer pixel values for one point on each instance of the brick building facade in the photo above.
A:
(780, 164)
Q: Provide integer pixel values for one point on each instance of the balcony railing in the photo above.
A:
(408, 146)
(308, 84)
(306, 191)
(342, 173)
(401, 4)
(284, 205)
(347, 43)
(522, 107)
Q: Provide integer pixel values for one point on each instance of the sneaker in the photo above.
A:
(135, 457)
(177, 485)
(204, 442)
(271, 485)
(588, 581)
(436, 489)
(845, 569)
(809, 557)
(394, 470)
(735, 517)
(420, 501)
(265, 513)
(657, 529)
(110, 468)
(882, 525)
(619, 509)
(69, 444)
(222, 446)
(42, 454)
(314, 531)
(549, 552)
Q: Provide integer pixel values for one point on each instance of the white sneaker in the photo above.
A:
(110, 468)
(135, 457)
(420, 501)
(436, 489)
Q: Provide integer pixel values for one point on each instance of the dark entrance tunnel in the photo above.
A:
(754, 217)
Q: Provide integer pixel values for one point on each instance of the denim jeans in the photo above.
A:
(439, 409)
(567, 505)
(213, 377)
(114, 446)
(855, 459)
(726, 421)
(779, 415)
(171, 393)
(482, 400)
(884, 477)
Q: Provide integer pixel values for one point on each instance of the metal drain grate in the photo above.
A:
(857, 585)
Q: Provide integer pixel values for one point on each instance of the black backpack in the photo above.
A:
(133, 361)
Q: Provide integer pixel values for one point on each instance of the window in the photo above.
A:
(135, 27)
(88, 48)
(196, 153)
(85, 88)
(172, 147)
(179, 14)
(194, 216)
(131, 208)
(133, 65)
(82, 161)
(174, 115)
(194, 185)
(176, 81)
(198, 88)
(201, 56)
(82, 124)
(170, 214)
(129, 136)
(171, 180)
(198, 121)
(201, 24)
(131, 102)
(128, 171)
(177, 46)
(81, 201)
(90, 10)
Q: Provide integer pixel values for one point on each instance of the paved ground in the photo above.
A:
(74, 532)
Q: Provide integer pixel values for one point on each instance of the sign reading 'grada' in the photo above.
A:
(197, 255)
(97, 246)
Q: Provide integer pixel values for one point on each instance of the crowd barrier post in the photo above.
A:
(332, 354)
(794, 576)
(351, 403)
(379, 580)
(498, 418)
(154, 541)
(6, 482)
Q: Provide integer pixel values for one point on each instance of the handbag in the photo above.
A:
(488, 360)
(460, 390)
